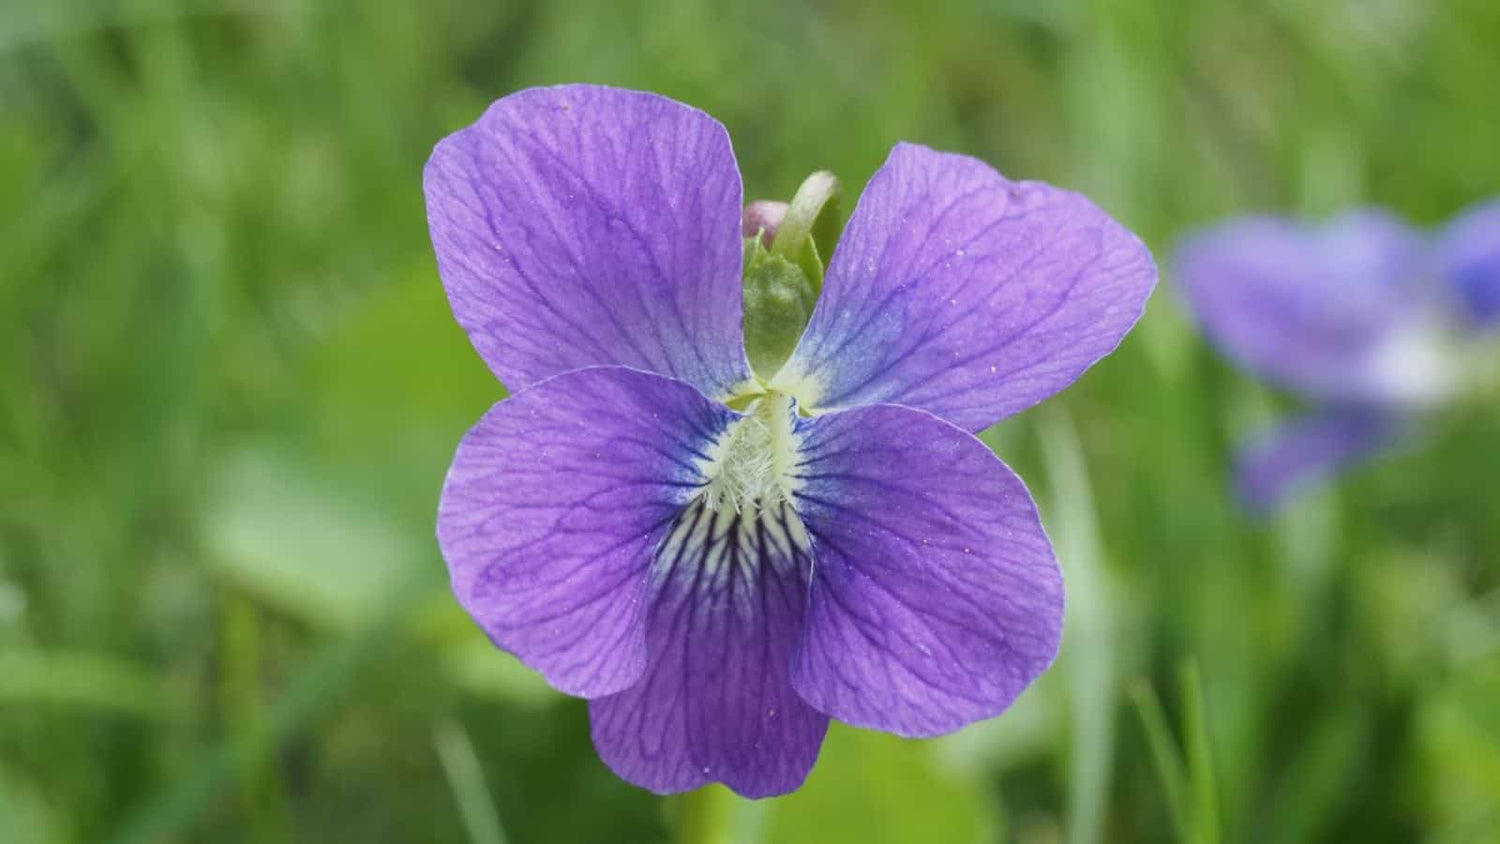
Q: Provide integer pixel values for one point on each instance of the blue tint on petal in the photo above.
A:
(959, 292)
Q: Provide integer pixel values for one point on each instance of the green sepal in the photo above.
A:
(779, 295)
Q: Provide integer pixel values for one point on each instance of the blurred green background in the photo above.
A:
(230, 387)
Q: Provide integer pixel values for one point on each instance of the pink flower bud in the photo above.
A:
(763, 216)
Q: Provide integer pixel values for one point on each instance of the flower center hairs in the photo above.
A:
(751, 467)
(745, 517)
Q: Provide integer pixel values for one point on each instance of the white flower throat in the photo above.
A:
(751, 467)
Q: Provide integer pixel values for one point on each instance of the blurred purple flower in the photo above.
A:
(1468, 256)
(1365, 317)
(719, 582)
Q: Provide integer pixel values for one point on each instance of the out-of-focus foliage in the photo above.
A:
(230, 387)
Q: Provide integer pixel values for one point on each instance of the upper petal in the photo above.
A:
(961, 293)
(726, 604)
(1320, 309)
(1468, 256)
(581, 225)
(552, 510)
(936, 598)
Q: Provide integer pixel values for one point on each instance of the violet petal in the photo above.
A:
(956, 291)
(936, 598)
(553, 508)
(725, 611)
(581, 225)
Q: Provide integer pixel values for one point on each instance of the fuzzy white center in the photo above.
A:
(750, 468)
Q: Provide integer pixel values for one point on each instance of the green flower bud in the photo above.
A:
(784, 269)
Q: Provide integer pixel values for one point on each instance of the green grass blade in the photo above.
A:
(1200, 767)
(466, 778)
(1088, 651)
(1164, 753)
(84, 680)
(316, 689)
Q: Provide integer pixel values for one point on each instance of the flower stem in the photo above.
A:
(703, 816)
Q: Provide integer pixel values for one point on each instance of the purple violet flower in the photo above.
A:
(718, 559)
(1371, 321)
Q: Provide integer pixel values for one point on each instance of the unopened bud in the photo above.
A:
(763, 217)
